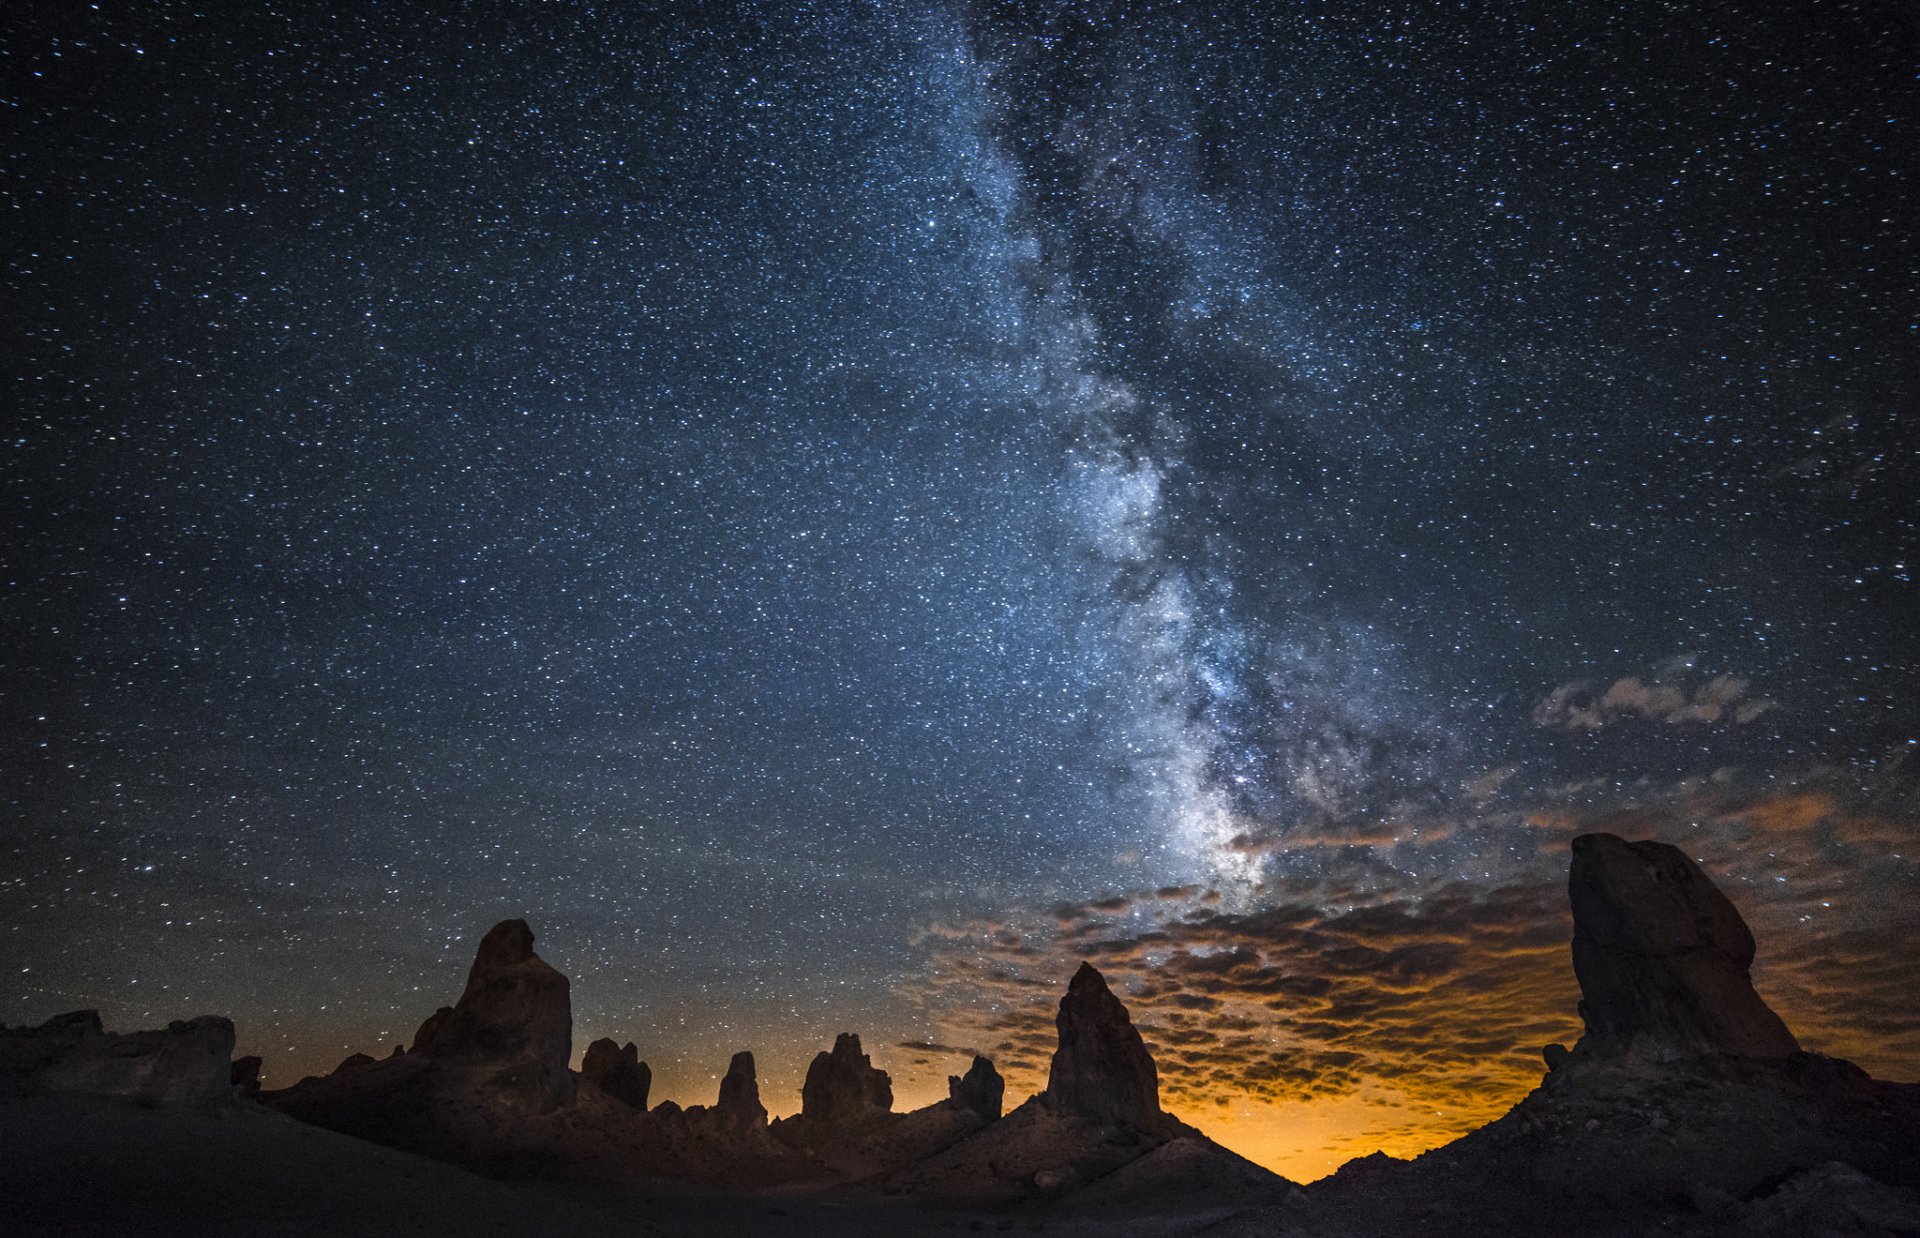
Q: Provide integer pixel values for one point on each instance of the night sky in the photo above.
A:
(836, 512)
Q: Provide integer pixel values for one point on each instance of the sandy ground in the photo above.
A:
(78, 1165)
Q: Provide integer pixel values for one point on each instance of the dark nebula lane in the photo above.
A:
(833, 511)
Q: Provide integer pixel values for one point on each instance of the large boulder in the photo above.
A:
(513, 1021)
(1663, 958)
(188, 1061)
(1102, 1069)
(739, 1108)
(981, 1090)
(618, 1072)
(844, 1085)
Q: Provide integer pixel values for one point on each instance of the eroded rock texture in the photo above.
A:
(514, 1018)
(844, 1085)
(1102, 1069)
(1662, 957)
(981, 1090)
(186, 1061)
(618, 1072)
(739, 1107)
(429, 1030)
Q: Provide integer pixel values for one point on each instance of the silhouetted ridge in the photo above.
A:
(1685, 1108)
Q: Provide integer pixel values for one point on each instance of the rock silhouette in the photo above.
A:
(1096, 1134)
(515, 1019)
(1102, 1069)
(245, 1076)
(618, 1072)
(1663, 957)
(979, 1091)
(843, 1085)
(189, 1061)
(739, 1107)
(1686, 1107)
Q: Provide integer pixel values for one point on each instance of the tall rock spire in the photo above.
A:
(1662, 957)
(1102, 1069)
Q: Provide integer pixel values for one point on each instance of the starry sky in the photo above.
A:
(835, 512)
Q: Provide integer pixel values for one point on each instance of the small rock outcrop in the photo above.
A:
(844, 1085)
(514, 1019)
(739, 1108)
(981, 1090)
(245, 1075)
(1662, 958)
(186, 1062)
(617, 1071)
(1102, 1069)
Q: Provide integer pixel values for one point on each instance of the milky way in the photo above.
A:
(815, 506)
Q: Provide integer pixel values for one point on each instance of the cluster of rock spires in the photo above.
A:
(485, 1082)
(1686, 1105)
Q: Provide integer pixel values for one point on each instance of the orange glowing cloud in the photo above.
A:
(1348, 1013)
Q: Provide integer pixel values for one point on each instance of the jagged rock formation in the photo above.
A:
(486, 1084)
(187, 1062)
(617, 1072)
(1663, 957)
(981, 1090)
(1102, 1069)
(514, 1020)
(476, 1088)
(847, 1123)
(844, 1085)
(1098, 1122)
(739, 1107)
(478, 1071)
(1684, 1109)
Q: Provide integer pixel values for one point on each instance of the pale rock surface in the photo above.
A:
(186, 1062)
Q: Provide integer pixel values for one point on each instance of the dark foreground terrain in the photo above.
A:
(86, 1165)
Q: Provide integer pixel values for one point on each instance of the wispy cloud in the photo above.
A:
(1673, 697)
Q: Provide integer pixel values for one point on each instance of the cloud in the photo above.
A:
(1578, 706)
(1421, 970)
(1296, 1001)
(925, 1046)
